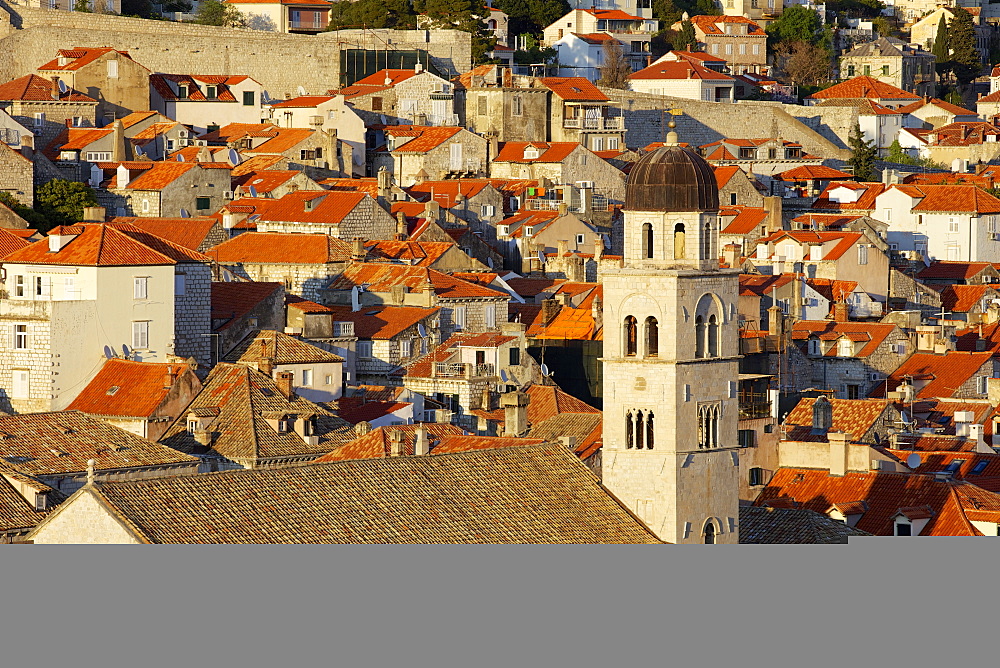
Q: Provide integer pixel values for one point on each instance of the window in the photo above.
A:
(145, 206)
(732, 199)
(482, 105)
(612, 143)
(981, 384)
(405, 348)
(98, 156)
(710, 534)
(649, 430)
(307, 378)
(41, 286)
(952, 225)
(868, 70)
(19, 285)
(365, 349)
(954, 465)
(515, 106)
(743, 49)
(679, 241)
(708, 425)
(459, 317)
(631, 340)
(862, 254)
(20, 389)
(756, 47)
(182, 91)
(140, 334)
(328, 380)
(211, 92)
(307, 154)
(376, 104)
(140, 286)
(319, 152)
(853, 391)
(729, 48)
(746, 438)
(39, 119)
(885, 70)
(598, 144)
(112, 69)
(629, 431)
(814, 347)
(202, 203)
(179, 284)
(647, 240)
(515, 357)
(491, 315)
(248, 98)
(979, 467)
(21, 337)
(652, 337)
(904, 529)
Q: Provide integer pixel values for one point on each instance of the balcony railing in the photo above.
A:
(597, 123)
(461, 370)
(754, 406)
(306, 25)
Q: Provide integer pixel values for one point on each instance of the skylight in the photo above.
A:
(112, 390)
(980, 466)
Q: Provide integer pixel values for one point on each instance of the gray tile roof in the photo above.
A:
(532, 494)
(773, 526)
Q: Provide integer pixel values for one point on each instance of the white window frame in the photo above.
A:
(21, 384)
(140, 334)
(112, 64)
(459, 317)
(365, 349)
(140, 287)
(490, 314)
(21, 340)
(307, 377)
(406, 348)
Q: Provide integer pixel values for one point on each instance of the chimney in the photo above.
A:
(55, 88)
(362, 428)
(841, 312)
(775, 321)
(598, 248)
(772, 205)
(401, 226)
(486, 399)
(562, 246)
(203, 437)
(358, 252)
(568, 441)
(266, 365)
(515, 409)
(93, 214)
(731, 254)
(421, 441)
(284, 383)
(550, 309)
(432, 211)
(563, 208)
(839, 451)
(396, 443)
(822, 418)
(168, 379)
(384, 187)
(993, 390)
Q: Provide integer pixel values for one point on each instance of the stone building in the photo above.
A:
(205, 102)
(494, 103)
(741, 41)
(562, 163)
(579, 112)
(316, 373)
(413, 153)
(17, 175)
(403, 97)
(317, 152)
(164, 189)
(46, 109)
(671, 452)
(326, 112)
(303, 263)
(119, 84)
(893, 62)
(736, 188)
(91, 291)
(343, 215)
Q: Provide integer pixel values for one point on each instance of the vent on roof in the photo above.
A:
(112, 390)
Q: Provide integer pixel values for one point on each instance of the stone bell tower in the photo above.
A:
(671, 351)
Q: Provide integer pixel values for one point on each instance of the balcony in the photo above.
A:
(593, 123)
(461, 370)
(307, 24)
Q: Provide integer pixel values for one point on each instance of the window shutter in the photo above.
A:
(491, 315)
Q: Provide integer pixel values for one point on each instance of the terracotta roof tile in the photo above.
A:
(853, 417)
(808, 172)
(279, 248)
(126, 388)
(513, 151)
(234, 299)
(78, 57)
(945, 373)
(679, 69)
(746, 219)
(379, 78)
(864, 87)
(941, 269)
(302, 102)
(376, 443)
(380, 277)
(110, 244)
(381, 322)
(189, 233)
(33, 88)
(573, 88)
(278, 346)
(865, 202)
(416, 253)
(424, 138)
(873, 333)
(710, 24)
(10, 242)
(785, 526)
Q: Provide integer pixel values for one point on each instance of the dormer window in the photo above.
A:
(182, 91)
(815, 347)
(63, 61)
(845, 348)
(531, 153)
(211, 92)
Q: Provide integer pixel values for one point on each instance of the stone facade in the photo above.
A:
(435, 163)
(48, 118)
(193, 313)
(489, 111)
(422, 99)
(304, 280)
(580, 165)
(198, 186)
(85, 520)
(119, 89)
(17, 175)
(367, 220)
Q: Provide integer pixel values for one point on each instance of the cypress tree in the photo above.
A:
(863, 155)
(965, 61)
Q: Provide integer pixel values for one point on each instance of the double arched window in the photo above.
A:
(708, 425)
(639, 431)
(631, 336)
(652, 337)
(706, 327)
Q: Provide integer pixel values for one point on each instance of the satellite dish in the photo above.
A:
(913, 461)
(302, 91)
(125, 351)
(108, 352)
(138, 150)
(503, 375)
(545, 370)
(62, 86)
(234, 157)
(489, 262)
(421, 330)
(253, 191)
(264, 97)
(185, 214)
(180, 158)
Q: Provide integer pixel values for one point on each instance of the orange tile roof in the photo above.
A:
(449, 444)
(424, 138)
(266, 180)
(380, 277)
(378, 79)
(746, 219)
(160, 175)
(710, 24)
(254, 164)
(33, 88)
(884, 493)
(78, 57)
(187, 232)
(141, 388)
(613, 15)
(513, 151)
(865, 202)
(953, 198)
(952, 270)
(284, 140)
(281, 248)
(369, 186)
(417, 253)
(231, 300)
(377, 443)
(941, 104)
(846, 240)
(678, 69)
(544, 402)
(724, 174)
(107, 244)
(864, 87)
(574, 88)
(966, 461)
(381, 322)
(946, 373)
(964, 298)
(809, 172)
(238, 130)
(445, 193)
(327, 207)
(10, 242)
(423, 366)
(759, 285)
(222, 82)
(853, 417)
(595, 38)
(571, 324)
(873, 333)
(302, 102)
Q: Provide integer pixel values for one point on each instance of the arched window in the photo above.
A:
(706, 242)
(699, 336)
(702, 428)
(631, 336)
(710, 534)
(713, 336)
(638, 430)
(647, 240)
(649, 430)
(652, 337)
(714, 430)
(629, 430)
(679, 241)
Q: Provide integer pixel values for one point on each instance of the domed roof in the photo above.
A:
(671, 178)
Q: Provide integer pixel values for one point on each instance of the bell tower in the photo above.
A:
(671, 352)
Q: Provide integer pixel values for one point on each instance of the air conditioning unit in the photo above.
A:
(877, 464)
(183, 142)
(876, 376)
(228, 194)
(202, 142)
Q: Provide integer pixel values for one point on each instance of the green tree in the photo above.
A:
(464, 15)
(882, 26)
(82, 6)
(684, 39)
(616, 70)
(863, 154)
(796, 24)
(856, 8)
(216, 13)
(667, 12)
(372, 14)
(940, 47)
(34, 219)
(62, 202)
(965, 61)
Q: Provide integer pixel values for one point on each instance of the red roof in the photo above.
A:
(425, 138)
(306, 206)
(935, 375)
(380, 277)
(710, 24)
(189, 233)
(357, 409)
(381, 322)
(379, 78)
(303, 101)
(231, 300)
(845, 241)
(127, 388)
(953, 198)
(678, 69)
(377, 443)
(78, 57)
(853, 417)
(964, 298)
(864, 87)
(872, 334)
(280, 248)
(33, 88)
(865, 200)
(809, 172)
(574, 88)
(513, 151)
(953, 270)
(724, 174)
(613, 15)
(940, 104)
(446, 193)
(746, 220)
(106, 245)
(416, 253)
(595, 38)
(221, 82)
(159, 176)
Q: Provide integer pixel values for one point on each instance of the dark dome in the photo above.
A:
(671, 178)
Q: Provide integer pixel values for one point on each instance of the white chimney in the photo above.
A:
(421, 442)
(123, 177)
(59, 237)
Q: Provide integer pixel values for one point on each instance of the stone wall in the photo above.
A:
(705, 122)
(17, 177)
(281, 62)
(193, 314)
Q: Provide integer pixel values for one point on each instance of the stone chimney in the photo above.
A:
(775, 321)
(266, 365)
(772, 205)
(562, 208)
(401, 226)
(396, 443)
(362, 428)
(839, 451)
(93, 214)
(421, 441)
(562, 247)
(284, 382)
(598, 248)
(169, 377)
(358, 252)
(731, 254)
(203, 437)
(432, 211)
(822, 418)
(54, 87)
(384, 187)
(841, 312)
(550, 309)
(515, 408)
